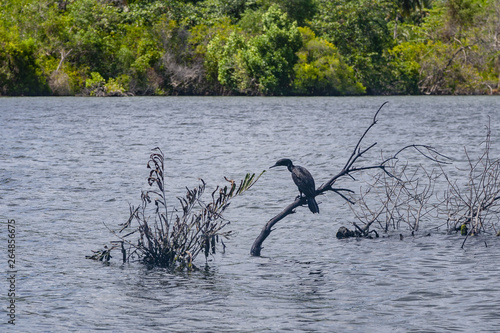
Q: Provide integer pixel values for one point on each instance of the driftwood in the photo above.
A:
(348, 170)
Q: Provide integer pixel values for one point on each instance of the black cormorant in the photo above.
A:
(304, 181)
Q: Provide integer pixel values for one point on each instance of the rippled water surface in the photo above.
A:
(68, 165)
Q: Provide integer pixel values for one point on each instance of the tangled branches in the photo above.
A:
(352, 167)
(402, 198)
(475, 207)
(406, 197)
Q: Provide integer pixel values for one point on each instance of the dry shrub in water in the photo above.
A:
(408, 197)
(474, 207)
(401, 197)
(160, 237)
(404, 198)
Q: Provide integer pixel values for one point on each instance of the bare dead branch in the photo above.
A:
(406, 195)
(473, 207)
(348, 169)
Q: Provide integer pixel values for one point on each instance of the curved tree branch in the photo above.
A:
(348, 170)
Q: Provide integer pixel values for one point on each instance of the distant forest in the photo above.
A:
(249, 47)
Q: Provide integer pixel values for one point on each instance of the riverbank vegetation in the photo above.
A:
(249, 47)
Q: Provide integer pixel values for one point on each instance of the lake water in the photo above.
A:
(68, 165)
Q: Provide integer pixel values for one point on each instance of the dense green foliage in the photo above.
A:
(249, 47)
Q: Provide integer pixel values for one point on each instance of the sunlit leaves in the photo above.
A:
(20, 74)
(322, 71)
(453, 56)
(261, 63)
(249, 46)
(360, 31)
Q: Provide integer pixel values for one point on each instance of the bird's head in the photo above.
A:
(283, 162)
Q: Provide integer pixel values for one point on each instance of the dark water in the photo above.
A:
(69, 164)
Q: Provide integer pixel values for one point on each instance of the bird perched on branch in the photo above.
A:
(304, 181)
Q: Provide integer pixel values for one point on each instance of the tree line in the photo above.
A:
(249, 47)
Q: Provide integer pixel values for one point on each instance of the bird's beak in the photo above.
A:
(272, 166)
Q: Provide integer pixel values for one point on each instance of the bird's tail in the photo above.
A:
(313, 205)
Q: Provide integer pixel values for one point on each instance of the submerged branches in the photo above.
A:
(347, 170)
(352, 167)
(406, 198)
(401, 199)
(402, 196)
(474, 207)
(174, 238)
